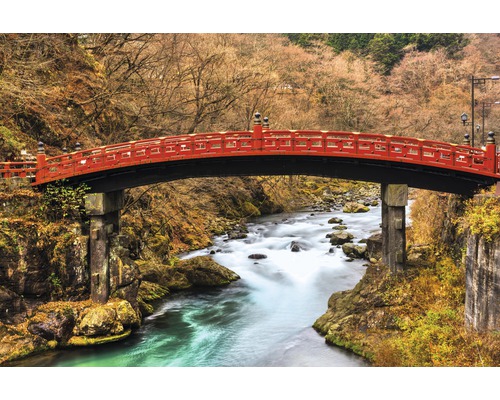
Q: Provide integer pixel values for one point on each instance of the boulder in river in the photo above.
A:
(257, 256)
(295, 247)
(199, 271)
(341, 237)
(354, 207)
(374, 246)
(335, 220)
(353, 250)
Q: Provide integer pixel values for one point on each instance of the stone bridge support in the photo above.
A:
(394, 202)
(104, 211)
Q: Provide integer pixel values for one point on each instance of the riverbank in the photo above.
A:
(417, 317)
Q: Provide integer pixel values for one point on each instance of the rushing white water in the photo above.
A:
(288, 290)
(263, 319)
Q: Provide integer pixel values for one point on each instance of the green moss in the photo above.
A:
(77, 341)
(249, 210)
(10, 143)
(149, 291)
(345, 342)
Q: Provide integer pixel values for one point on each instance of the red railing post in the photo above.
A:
(6, 174)
(40, 163)
(491, 153)
(257, 132)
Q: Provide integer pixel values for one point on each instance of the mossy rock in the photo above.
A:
(354, 207)
(249, 210)
(126, 314)
(79, 341)
(150, 291)
(98, 321)
(16, 342)
(199, 271)
(340, 237)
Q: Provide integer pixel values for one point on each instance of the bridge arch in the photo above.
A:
(378, 158)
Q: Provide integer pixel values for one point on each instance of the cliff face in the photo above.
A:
(482, 304)
(40, 262)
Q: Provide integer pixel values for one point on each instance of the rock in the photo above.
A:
(419, 254)
(17, 343)
(126, 314)
(374, 246)
(10, 303)
(354, 207)
(99, 321)
(149, 292)
(298, 246)
(236, 235)
(54, 325)
(128, 293)
(341, 237)
(340, 227)
(354, 251)
(335, 220)
(151, 271)
(238, 232)
(82, 341)
(199, 271)
(295, 247)
(257, 256)
(125, 274)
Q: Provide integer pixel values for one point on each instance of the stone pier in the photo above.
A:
(104, 212)
(394, 202)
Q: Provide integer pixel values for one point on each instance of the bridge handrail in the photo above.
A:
(261, 142)
(20, 169)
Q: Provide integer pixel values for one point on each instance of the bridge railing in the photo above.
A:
(393, 148)
(259, 142)
(18, 169)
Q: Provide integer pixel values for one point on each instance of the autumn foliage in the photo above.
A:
(107, 88)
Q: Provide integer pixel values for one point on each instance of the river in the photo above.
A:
(262, 320)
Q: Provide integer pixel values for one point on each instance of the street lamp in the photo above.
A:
(464, 117)
(477, 81)
(484, 106)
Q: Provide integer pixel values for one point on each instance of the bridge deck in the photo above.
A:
(392, 152)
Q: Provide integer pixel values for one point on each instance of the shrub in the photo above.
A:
(482, 217)
(62, 201)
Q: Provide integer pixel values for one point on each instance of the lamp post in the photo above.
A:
(464, 117)
(484, 106)
(477, 81)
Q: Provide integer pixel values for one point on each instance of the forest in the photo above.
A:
(107, 88)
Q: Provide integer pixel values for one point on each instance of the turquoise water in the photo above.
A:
(264, 319)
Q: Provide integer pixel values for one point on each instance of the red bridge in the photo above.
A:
(379, 158)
